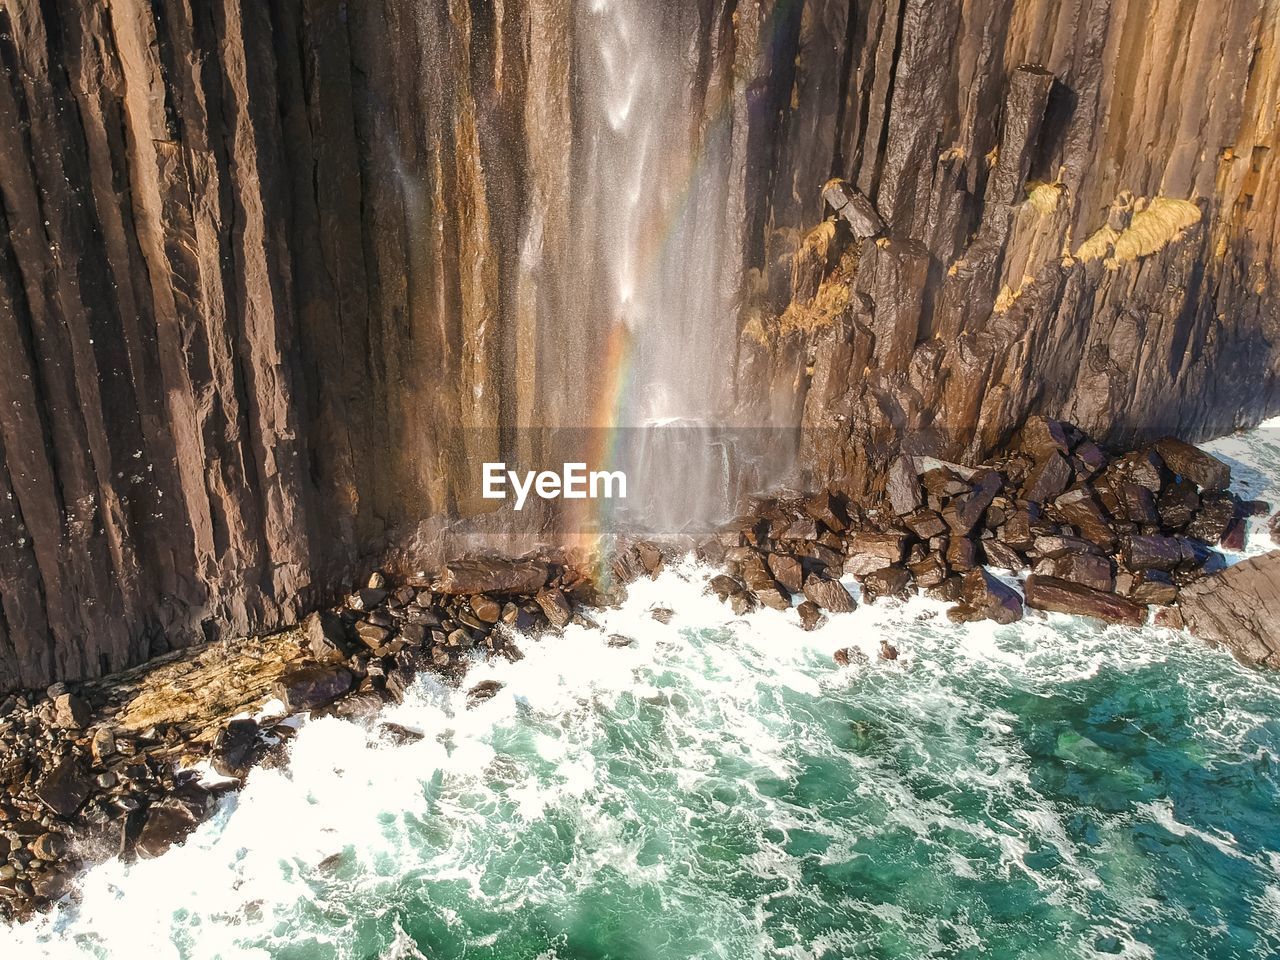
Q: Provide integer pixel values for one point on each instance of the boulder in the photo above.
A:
(1042, 437)
(482, 691)
(787, 571)
(234, 748)
(962, 554)
(167, 823)
(824, 508)
(732, 591)
(313, 687)
(886, 582)
(929, 572)
(1236, 608)
(326, 637)
(999, 554)
(870, 550)
(902, 487)
(965, 512)
(1047, 479)
(485, 608)
(555, 606)
(1216, 513)
(65, 788)
(1152, 552)
(1063, 596)
(830, 595)
(925, 524)
(985, 597)
(71, 712)
(372, 635)
(852, 206)
(811, 617)
(1178, 503)
(492, 575)
(1089, 569)
(1153, 586)
(1205, 471)
(1080, 508)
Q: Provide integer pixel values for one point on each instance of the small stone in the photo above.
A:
(888, 651)
(485, 690)
(554, 606)
(49, 847)
(485, 608)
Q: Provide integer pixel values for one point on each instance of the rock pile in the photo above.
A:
(105, 769)
(1098, 534)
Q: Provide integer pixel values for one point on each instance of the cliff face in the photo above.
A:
(275, 276)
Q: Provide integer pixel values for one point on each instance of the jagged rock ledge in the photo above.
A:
(119, 766)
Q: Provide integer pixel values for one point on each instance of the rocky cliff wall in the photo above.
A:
(260, 261)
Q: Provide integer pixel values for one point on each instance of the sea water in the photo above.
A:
(718, 787)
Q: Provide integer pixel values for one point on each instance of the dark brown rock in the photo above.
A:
(235, 748)
(886, 582)
(787, 571)
(925, 524)
(1063, 596)
(492, 575)
(313, 687)
(167, 824)
(1048, 479)
(989, 598)
(830, 595)
(870, 550)
(1152, 552)
(65, 788)
(1088, 569)
(1204, 470)
(903, 487)
(811, 617)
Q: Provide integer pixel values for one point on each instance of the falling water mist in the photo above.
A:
(658, 282)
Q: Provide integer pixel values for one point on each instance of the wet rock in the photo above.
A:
(663, 615)
(830, 595)
(167, 824)
(1080, 508)
(1048, 479)
(999, 554)
(485, 608)
(367, 598)
(929, 572)
(482, 691)
(811, 618)
(902, 487)
(234, 748)
(1063, 596)
(1042, 437)
(1153, 587)
(985, 597)
(888, 651)
(492, 575)
(555, 607)
(372, 635)
(869, 551)
(326, 637)
(1236, 608)
(49, 847)
(1204, 470)
(313, 687)
(1177, 504)
(824, 508)
(787, 571)
(965, 512)
(762, 585)
(886, 582)
(734, 592)
(962, 554)
(1153, 552)
(925, 524)
(1057, 545)
(1087, 568)
(1216, 513)
(66, 787)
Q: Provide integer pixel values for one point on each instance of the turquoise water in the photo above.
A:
(721, 788)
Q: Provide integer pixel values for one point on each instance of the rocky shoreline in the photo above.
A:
(128, 765)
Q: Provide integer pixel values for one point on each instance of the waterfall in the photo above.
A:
(650, 215)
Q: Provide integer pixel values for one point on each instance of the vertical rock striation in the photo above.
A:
(274, 276)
